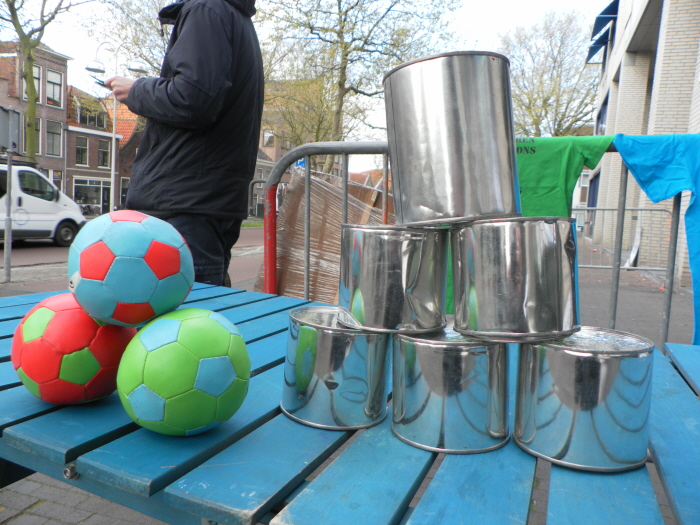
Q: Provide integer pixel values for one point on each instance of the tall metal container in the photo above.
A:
(451, 140)
(393, 278)
(450, 392)
(515, 278)
(334, 377)
(583, 402)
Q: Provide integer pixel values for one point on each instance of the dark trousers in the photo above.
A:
(210, 240)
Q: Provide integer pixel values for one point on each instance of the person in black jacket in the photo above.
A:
(199, 147)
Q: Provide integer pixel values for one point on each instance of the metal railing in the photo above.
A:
(381, 148)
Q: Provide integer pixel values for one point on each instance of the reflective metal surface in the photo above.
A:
(450, 392)
(334, 377)
(450, 131)
(515, 279)
(393, 278)
(583, 402)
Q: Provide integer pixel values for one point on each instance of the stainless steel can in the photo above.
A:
(334, 377)
(393, 278)
(451, 140)
(450, 392)
(515, 279)
(583, 401)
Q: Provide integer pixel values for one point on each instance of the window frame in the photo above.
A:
(60, 88)
(87, 151)
(60, 138)
(100, 151)
(37, 83)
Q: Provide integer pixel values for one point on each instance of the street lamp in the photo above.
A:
(98, 67)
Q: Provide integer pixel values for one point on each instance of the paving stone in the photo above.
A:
(104, 507)
(6, 513)
(25, 486)
(28, 519)
(49, 509)
(60, 495)
(48, 480)
(16, 500)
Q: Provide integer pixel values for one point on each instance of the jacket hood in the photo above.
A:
(169, 13)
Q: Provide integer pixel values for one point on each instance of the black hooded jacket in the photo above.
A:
(200, 144)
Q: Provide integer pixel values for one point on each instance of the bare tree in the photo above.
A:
(358, 41)
(29, 20)
(553, 88)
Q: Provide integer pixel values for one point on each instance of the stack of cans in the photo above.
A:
(452, 151)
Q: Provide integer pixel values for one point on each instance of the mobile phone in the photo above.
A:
(98, 81)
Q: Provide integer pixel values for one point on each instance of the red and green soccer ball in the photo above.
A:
(63, 356)
(126, 268)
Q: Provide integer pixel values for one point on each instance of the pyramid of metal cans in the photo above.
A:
(583, 394)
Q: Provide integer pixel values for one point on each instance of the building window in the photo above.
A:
(101, 120)
(92, 118)
(37, 130)
(58, 179)
(103, 153)
(37, 84)
(92, 195)
(268, 138)
(53, 138)
(81, 151)
(54, 89)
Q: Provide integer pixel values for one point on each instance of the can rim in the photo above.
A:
(294, 315)
(550, 218)
(443, 55)
(555, 344)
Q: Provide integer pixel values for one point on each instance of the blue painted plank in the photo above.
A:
(63, 435)
(8, 376)
(261, 309)
(144, 462)
(687, 361)
(674, 435)
(493, 487)
(228, 301)
(29, 298)
(268, 351)
(7, 328)
(372, 481)
(19, 405)
(209, 293)
(578, 497)
(5, 349)
(272, 324)
(15, 312)
(223, 489)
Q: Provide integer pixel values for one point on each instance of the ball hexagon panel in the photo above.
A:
(132, 314)
(204, 337)
(238, 354)
(94, 297)
(40, 361)
(167, 290)
(102, 384)
(95, 261)
(61, 392)
(215, 375)
(230, 401)
(128, 239)
(107, 339)
(89, 235)
(163, 259)
(191, 410)
(134, 271)
(163, 232)
(170, 370)
(84, 329)
(29, 383)
(35, 324)
(79, 367)
(130, 374)
(128, 216)
(146, 404)
(159, 334)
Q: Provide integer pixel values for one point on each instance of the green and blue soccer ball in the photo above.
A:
(184, 373)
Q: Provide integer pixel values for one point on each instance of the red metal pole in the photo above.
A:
(270, 241)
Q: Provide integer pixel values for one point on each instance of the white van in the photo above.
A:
(39, 209)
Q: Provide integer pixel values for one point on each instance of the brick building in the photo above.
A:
(649, 85)
(51, 111)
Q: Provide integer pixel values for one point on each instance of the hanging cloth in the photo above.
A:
(548, 169)
(663, 166)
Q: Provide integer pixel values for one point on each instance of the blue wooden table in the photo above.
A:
(257, 466)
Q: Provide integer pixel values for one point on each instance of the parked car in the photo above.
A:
(39, 209)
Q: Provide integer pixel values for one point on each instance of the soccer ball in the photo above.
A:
(126, 268)
(184, 373)
(64, 356)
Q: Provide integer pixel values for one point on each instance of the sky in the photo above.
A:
(479, 22)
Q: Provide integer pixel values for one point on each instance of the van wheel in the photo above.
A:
(65, 234)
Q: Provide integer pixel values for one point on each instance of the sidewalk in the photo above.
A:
(41, 500)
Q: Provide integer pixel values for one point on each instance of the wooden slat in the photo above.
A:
(687, 361)
(8, 376)
(674, 436)
(493, 487)
(15, 312)
(578, 497)
(223, 489)
(228, 301)
(144, 462)
(7, 328)
(63, 435)
(19, 405)
(5, 349)
(32, 298)
(372, 481)
(209, 293)
(267, 352)
(261, 309)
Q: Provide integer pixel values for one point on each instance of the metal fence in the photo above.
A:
(595, 221)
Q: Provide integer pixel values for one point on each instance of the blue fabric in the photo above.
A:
(665, 165)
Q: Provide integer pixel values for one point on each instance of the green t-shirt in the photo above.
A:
(548, 168)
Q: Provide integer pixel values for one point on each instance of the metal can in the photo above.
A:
(451, 139)
(334, 377)
(515, 279)
(450, 392)
(583, 401)
(393, 278)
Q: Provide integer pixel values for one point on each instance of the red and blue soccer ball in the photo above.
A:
(64, 356)
(126, 268)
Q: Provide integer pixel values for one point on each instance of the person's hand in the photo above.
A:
(120, 87)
